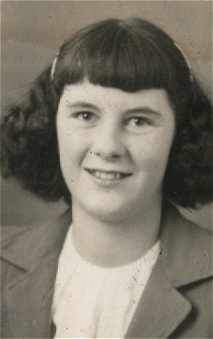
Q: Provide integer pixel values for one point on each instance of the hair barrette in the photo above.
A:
(53, 67)
(186, 60)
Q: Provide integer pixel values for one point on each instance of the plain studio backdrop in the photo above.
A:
(32, 31)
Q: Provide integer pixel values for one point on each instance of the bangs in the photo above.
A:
(117, 55)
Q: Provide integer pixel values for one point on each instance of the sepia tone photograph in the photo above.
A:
(106, 169)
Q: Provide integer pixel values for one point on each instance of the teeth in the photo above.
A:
(107, 175)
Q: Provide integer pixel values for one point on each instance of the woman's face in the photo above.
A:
(114, 147)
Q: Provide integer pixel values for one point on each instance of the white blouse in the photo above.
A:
(97, 302)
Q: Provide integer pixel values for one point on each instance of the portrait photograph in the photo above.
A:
(106, 169)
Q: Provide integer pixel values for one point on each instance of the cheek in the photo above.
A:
(152, 153)
(72, 147)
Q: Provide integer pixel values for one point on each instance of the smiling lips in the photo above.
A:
(108, 175)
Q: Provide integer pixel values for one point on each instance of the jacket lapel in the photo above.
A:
(29, 294)
(185, 258)
(161, 309)
(33, 319)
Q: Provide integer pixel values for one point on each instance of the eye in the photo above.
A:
(84, 116)
(135, 122)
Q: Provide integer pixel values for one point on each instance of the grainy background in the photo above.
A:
(32, 31)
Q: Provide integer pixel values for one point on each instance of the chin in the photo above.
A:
(107, 212)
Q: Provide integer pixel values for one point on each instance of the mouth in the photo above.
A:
(109, 176)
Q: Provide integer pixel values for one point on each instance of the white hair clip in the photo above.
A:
(53, 67)
(186, 60)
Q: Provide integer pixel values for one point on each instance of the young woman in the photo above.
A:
(119, 127)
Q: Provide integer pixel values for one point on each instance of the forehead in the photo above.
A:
(86, 92)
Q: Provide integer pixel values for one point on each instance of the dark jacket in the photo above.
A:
(177, 302)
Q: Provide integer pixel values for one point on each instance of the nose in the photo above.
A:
(108, 143)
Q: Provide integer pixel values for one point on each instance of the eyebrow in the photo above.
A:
(83, 104)
(144, 109)
(140, 109)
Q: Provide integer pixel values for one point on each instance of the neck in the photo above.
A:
(115, 243)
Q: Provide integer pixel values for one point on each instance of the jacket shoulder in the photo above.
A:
(185, 228)
(23, 246)
(194, 232)
(10, 233)
(187, 250)
(11, 238)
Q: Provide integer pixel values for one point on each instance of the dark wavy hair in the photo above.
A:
(131, 55)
